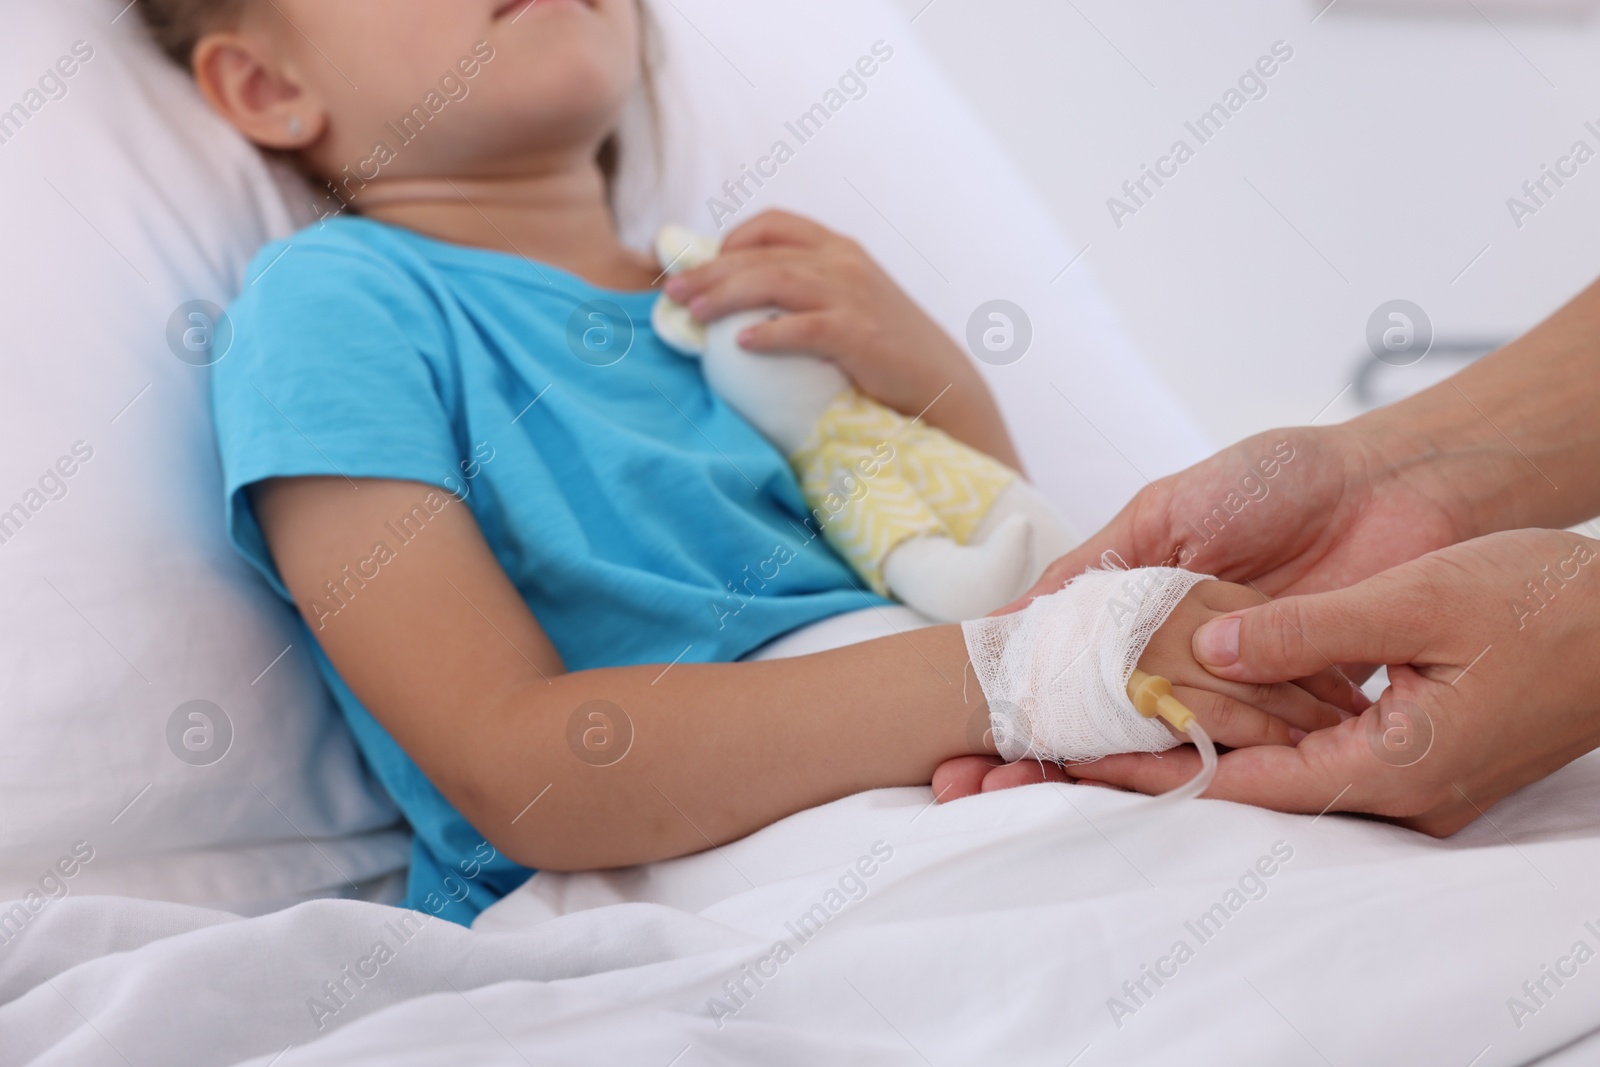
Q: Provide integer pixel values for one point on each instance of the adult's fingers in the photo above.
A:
(1145, 772)
(1229, 721)
(1275, 784)
(1074, 563)
(1023, 772)
(1137, 537)
(967, 776)
(962, 776)
(1298, 636)
(1330, 770)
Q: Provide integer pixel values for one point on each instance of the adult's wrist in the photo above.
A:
(1513, 439)
(1449, 455)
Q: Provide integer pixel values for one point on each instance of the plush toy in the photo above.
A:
(920, 516)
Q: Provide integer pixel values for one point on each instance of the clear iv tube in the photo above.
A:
(1200, 782)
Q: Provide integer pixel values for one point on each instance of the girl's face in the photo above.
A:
(470, 88)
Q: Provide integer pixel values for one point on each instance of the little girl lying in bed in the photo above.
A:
(508, 556)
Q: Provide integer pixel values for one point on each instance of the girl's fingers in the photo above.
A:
(782, 282)
(1336, 686)
(817, 333)
(1232, 722)
(1282, 700)
(689, 284)
(777, 228)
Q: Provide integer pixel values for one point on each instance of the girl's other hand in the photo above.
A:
(842, 306)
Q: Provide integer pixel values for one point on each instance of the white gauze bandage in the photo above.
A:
(1056, 674)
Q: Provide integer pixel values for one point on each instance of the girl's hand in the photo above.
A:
(842, 306)
(1244, 714)
(1236, 715)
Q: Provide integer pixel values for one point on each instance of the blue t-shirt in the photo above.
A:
(642, 520)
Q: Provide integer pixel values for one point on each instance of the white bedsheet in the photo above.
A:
(1370, 945)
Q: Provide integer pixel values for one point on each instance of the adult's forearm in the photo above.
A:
(1514, 440)
(716, 752)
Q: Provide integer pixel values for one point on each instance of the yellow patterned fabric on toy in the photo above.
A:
(876, 478)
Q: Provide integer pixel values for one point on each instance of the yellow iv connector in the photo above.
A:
(1152, 696)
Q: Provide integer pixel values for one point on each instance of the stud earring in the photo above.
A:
(296, 126)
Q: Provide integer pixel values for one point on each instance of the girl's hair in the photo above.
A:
(179, 25)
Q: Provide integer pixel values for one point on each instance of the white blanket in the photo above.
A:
(994, 930)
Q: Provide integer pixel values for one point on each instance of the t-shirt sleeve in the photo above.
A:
(337, 368)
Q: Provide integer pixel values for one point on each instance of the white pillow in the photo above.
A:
(909, 171)
(125, 198)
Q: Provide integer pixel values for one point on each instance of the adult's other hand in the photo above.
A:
(1298, 510)
(1289, 511)
(1494, 684)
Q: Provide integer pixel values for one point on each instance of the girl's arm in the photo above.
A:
(440, 647)
(842, 306)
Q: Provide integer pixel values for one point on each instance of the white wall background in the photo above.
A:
(1378, 167)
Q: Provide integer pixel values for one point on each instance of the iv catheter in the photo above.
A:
(1152, 696)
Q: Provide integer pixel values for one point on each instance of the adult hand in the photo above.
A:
(841, 305)
(1288, 511)
(1299, 510)
(1495, 683)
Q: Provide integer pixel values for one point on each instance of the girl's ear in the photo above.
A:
(242, 81)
